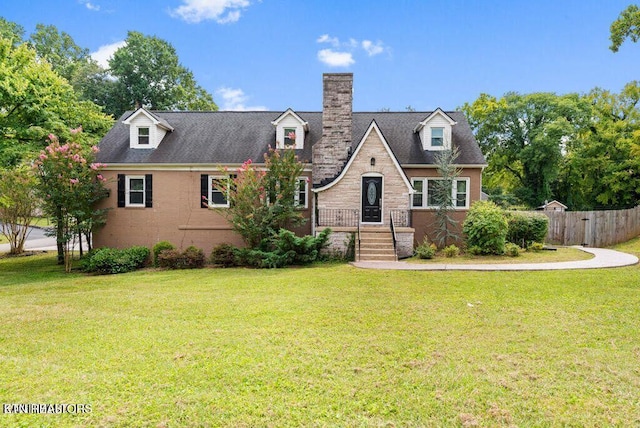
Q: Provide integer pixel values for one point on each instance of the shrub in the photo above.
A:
(224, 255)
(193, 258)
(451, 251)
(426, 250)
(511, 249)
(170, 259)
(486, 227)
(526, 228)
(112, 260)
(190, 258)
(536, 246)
(161, 246)
(474, 251)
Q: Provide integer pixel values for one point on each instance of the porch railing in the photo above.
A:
(336, 217)
(401, 218)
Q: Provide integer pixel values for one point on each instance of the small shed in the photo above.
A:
(552, 206)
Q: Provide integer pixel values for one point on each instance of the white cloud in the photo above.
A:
(325, 38)
(221, 11)
(90, 5)
(342, 53)
(104, 53)
(234, 99)
(371, 48)
(335, 59)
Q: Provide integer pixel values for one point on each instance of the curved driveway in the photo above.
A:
(604, 258)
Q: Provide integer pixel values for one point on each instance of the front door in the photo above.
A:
(371, 199)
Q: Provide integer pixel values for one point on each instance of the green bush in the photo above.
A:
(193, 258)
(112, 260)
(426, 250)
(451, 251)
(170, 259)
(474, 251)
(535, 247)
(511, 249)
(161, 246)
(486, 228)
(283, 250)
(190, 258)
(224, 255)
(526, 228)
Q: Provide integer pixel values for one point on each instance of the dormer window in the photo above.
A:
(143, 136)
(146, 129)
(436, 131)
(289, 137)
(437, 137)
(290, 130)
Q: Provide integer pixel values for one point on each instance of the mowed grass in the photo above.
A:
(328, 345)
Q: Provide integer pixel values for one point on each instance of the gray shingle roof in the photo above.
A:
(233, 137)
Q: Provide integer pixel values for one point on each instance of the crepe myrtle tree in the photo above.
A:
(18, 202)
(262, 200)
(70, 184)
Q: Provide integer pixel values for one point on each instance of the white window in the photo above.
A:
(437, 137)
(418, 192)
(289, 137)
(302, 190)
(143, 135)
(218, 196)
(134, 188)
(425, 193)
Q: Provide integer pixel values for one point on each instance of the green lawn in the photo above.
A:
(321, 346)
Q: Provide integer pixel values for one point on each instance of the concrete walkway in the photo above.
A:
(603, 259)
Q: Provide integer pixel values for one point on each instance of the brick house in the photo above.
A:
(367, 175)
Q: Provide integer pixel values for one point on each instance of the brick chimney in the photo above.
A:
(330, 154)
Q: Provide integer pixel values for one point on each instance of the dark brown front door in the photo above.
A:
(371, 199)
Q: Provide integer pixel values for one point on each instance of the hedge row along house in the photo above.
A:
(368, 175)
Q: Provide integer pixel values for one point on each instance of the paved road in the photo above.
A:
(37, 240)
(604, 258)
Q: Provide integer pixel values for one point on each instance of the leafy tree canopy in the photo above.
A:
(626, 26)
(12, 31)
(150, 75)
(35, 101)
(524, 137)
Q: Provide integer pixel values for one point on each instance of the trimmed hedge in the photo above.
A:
(159, 247)
(190, 258)
(113, 261)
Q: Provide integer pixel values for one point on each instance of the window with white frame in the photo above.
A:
(143, 135)
(424, 195)
(302, 190)
(418, 194)
(289, 137)
(135, 191)
(437, 137)
(219, 192)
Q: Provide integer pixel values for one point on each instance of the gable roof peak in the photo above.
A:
(157, 120)
(436, 112)
(290, 112)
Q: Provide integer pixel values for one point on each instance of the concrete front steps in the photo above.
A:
(376, 244)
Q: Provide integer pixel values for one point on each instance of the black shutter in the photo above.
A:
(121, 192)
(204, 191)
(148, 190)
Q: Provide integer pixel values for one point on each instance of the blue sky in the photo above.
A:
(271, 54)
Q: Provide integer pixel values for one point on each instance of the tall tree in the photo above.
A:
(601, 169)
(524, 136)
(149, 74)
(627, 26)
(34, 102)
(12, 31)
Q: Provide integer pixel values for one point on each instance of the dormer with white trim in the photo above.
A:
(435, 131)
(290, 130)
(146, 130)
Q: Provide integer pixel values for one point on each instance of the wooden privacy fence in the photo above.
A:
(593, 228)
